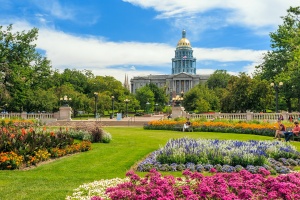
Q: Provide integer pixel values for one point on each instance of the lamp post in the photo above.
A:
(276, 87)
(156, 107)
(126, 101)
(178, 99)
(5, 106)
(65, 100)
(96, 99)
(147, 105)
(112, 105)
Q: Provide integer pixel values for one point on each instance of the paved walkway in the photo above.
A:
(126, 121)
(135, 118)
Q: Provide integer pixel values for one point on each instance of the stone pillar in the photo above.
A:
(176, 111)
(65, 113)
(24, 115)
(249, 116)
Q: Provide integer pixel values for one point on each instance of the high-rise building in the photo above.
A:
(183, 75)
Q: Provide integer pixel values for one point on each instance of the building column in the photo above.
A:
(174, 87)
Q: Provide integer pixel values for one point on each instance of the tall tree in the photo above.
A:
(219, 79)
(19, 63)
(282, 63)
(146, 98)
(201, 99)
(239, 91)
(160, 97)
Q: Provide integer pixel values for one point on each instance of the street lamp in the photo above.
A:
(126, 101)
(112, 105)
(5, 106)
(65, 100)
(147, 105)
(156, 107)
(276, 87)
(177, 100)
(96, 99)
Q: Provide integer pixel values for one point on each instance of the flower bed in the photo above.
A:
(20, 147)
(225, 126)
(241, 185)
(223, 155)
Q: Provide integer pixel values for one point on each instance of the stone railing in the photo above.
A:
(39, 116)
(245, 116)
(25, 115)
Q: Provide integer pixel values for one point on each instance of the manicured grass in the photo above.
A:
(57, 179)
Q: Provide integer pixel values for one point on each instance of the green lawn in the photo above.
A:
(57, 179)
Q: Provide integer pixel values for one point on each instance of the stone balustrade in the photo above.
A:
(65, 114)
(245, 116)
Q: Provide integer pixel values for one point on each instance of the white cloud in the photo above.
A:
(225, 55)
(133, 68)
(56, 9)
(249, 69)
(64, 50)
(253, 14)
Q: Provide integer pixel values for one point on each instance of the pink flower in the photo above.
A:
(213, 170)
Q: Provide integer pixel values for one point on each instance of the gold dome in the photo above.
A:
(183, 42)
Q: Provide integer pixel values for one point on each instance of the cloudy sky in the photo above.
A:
(139, 37)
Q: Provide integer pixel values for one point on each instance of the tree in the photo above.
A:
(22, 67)
(144, 95)
(75, 77)
(237, 99)
(261, 95)
(201, 99)
(219, 79)
(160, 97)
(282, 63)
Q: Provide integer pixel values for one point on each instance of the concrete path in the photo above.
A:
(126, 121)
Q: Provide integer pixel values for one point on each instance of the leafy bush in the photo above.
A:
(80, 134)
(93, 134)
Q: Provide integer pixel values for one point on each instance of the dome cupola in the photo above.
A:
(183, 42)
(184, 61)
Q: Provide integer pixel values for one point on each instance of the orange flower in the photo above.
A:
(12, 135)
(4, 130)
(44, 128)
(52, 134)
(23, 131)
(3, 159)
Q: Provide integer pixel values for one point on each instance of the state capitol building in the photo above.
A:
(183, 76)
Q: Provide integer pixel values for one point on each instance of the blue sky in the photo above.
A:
(139, 37)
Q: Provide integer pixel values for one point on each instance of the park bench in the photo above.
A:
(295, 138)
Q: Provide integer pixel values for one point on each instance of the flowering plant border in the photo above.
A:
(224, 155)
(225, 126)
(241, 185)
